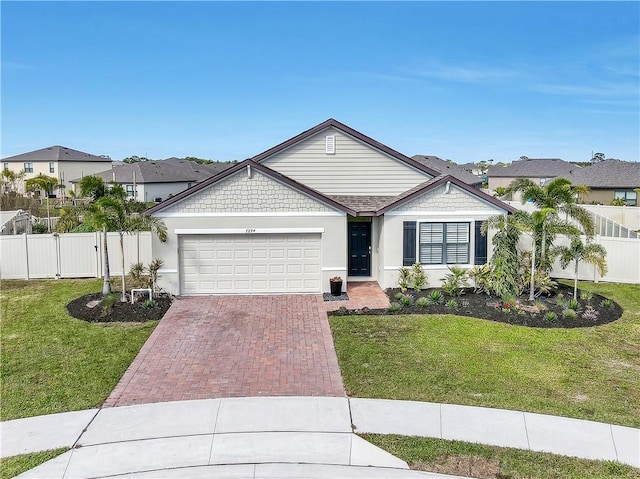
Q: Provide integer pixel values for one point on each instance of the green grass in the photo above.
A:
(52, 362)
(587, 373)
(13, 466)
(476, 460)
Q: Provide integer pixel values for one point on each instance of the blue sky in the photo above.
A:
(228, 80)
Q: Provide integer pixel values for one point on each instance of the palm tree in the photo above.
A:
(558, 194)
(592, 253)
(505, 254)
(109, 214)
(46, 184)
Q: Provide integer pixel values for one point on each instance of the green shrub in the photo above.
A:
(435, 296)
(454, 282)
(149, 304)
(108, 301)
(418, 277)
(406, 301)
(422, 302)
(569, 313)
(451, 304)
(573, 304)
(586, 296)
(560, 299)
(404, 279)
(607, 303)
(481, 275)
(39, 228)
(393, 307)
(399, 296)
(550, 316)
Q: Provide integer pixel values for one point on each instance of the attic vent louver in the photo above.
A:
(330, 145)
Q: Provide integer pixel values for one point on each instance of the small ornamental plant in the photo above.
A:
(335, 279)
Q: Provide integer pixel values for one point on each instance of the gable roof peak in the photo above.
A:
(331, 122)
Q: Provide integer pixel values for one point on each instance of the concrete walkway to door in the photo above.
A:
(232, 346)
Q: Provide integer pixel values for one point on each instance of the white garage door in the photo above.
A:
(254, 263)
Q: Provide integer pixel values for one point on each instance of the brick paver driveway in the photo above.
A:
(226, 346)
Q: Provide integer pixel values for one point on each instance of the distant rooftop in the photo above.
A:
(533, 168)
(607, 174)
(57, 153)
(447, 168)
(171, 170)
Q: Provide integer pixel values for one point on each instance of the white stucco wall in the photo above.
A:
(247, 206)
(433, 206)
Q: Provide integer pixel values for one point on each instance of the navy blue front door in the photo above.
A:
(359, 249)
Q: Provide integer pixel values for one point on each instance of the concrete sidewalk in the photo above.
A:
(288, 437)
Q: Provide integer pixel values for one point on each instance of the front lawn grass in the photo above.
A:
(16, 465)
(490, 462)
(587, 373)
(52, 362)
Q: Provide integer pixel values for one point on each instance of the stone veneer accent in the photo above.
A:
(437, 200)
(238, 193)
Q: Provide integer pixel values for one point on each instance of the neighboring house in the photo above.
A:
(538, 170)
(473, 168)
(58, 162)
(608, 180)
(155, 181)
(328, 202)
(448, 168)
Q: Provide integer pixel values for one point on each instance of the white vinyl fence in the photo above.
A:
(623, 260)
(69, 255)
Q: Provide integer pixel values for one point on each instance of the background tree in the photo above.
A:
(92, 187)
(597, 157)
(42, 183)
(135, 159)
(592, 253)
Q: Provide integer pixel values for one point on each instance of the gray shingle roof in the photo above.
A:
(533, 168)
(607, 174)
(447, 168)
(173, 170)
(362, 203)
(57, 153)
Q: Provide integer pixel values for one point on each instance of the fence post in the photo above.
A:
(26, 255)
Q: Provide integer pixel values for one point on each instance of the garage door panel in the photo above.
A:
(257, 263)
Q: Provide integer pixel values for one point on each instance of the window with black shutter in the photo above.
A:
(480, 249)
(409, 243)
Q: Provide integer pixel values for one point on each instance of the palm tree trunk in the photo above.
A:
(532, 287)
(106, 284)
(123, 297)
(575, 281)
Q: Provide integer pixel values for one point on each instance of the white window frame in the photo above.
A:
(130, 190)
(28, 167)
(52, 167)
(5, 166)
(443, 261)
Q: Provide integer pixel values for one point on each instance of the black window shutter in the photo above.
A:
(409, 243)
(481, 245)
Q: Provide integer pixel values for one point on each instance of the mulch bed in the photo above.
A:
(119, 312)
(484, 307)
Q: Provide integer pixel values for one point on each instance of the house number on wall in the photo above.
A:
(250, 230)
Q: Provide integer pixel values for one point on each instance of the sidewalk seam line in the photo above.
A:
(526, 430)
(86, 427)
(613, 440)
